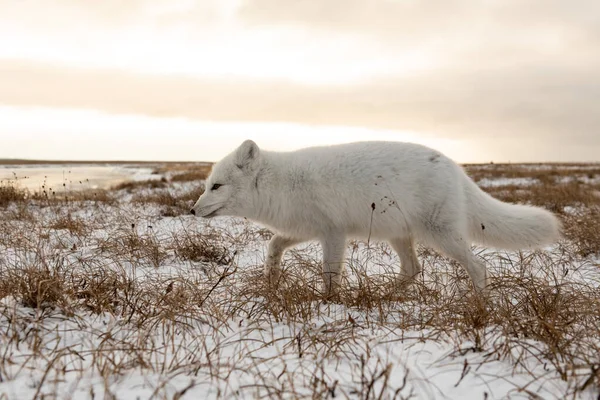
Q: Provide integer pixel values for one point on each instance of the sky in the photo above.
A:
(487, 80)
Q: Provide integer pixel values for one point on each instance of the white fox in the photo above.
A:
(398, 192)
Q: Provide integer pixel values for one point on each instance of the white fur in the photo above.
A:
(399, 192)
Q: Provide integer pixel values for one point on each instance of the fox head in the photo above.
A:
(231, 183)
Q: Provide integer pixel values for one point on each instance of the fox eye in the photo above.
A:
(216, 186)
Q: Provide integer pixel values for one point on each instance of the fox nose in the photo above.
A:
(193, 211)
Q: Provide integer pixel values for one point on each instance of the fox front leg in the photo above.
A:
(334, 248)
(277, 247)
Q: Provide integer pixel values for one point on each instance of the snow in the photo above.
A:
(242, 352)
(487, 182)
(86, 355)
(586, 179)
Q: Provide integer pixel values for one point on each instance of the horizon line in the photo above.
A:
(27, 161)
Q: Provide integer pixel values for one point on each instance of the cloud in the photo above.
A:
(413, 19)
(511, 104)
(108, 13)
(464, 32)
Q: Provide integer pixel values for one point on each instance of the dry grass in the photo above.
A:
(47, 198)
(555, 197)
(193, 246)
(36, 284)
(170, 296)
(10, 193)
(197, 173)
(75, 225)
(145, 184)
(171, 203)
(542, 172)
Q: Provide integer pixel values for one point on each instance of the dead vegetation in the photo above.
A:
(10, 193)
(185, 172)
(550, 173)
(74, 225)
(36, 284)
(194, 174)
(171, 203)
(144, 184)
(168, 286)
(193, 246)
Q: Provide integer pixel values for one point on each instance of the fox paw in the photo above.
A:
(272, 275)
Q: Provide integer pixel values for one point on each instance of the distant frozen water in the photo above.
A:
(73, 177)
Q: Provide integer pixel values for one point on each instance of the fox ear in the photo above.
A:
(246, 154)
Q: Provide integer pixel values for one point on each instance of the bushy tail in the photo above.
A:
(508, 226)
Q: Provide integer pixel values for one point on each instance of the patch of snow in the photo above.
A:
(488, 182)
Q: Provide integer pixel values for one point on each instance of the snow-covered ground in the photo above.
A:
(494, 182)
(177, 326)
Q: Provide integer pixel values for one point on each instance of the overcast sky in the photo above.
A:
(488, 80)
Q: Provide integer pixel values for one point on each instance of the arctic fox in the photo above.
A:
(393, 191)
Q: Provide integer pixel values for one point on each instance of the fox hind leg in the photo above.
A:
(458, 249)
(409, 263)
